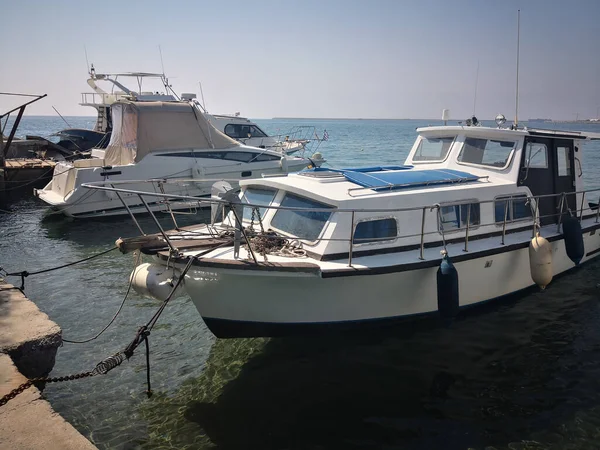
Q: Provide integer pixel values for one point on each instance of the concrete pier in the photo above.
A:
(29, 341)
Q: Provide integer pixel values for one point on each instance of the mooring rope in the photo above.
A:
(71, 341)
(106, 365)
(24, 273)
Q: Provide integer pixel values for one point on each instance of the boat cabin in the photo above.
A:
(457, 182)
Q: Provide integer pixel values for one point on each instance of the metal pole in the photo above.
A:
(582, 203)
(598, 210)
(535, 217)
(504, 223)
(466, 249)
(239, 222)
(562, 202)
(173, 249)
(129, 211)
(351, 240)
(421, 257)
(162, 189)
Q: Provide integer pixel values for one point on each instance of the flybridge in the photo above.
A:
(394, 177)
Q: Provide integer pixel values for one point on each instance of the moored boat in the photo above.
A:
(159, 140)
(475, 213)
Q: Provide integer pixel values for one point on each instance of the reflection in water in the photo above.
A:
(524, 371)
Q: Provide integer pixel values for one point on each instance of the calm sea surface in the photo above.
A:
(524, 374)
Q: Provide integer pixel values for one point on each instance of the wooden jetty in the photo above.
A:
(17, 168)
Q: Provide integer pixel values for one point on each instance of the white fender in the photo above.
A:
(540, 261)
(283, 164)
(155, 281)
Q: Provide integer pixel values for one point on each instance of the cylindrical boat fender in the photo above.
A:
(447, 288)
(283, 164)
(573, 239)
(154, 280)
(540, 261)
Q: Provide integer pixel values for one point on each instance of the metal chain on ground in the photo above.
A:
(102, 368)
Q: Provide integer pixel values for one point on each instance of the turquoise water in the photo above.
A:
(523, 374)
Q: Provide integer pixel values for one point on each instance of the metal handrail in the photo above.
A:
(533, 200)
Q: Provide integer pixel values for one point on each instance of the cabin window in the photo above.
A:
(239, 131)
(433, 149)
(536, 156)
(564, 163)
(245, 157)
(256, 196)
(261, 157)
(486, 152)
(454, 217)
(517, 208)
(301, 224)
(375, 231)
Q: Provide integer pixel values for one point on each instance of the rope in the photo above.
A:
(24, 274)
(139, 255)
(106, 365)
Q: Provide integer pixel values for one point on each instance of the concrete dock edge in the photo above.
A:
(29, 341)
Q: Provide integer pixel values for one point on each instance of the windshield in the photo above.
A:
(433, 149)
(486, 152)
(256, 196)
(301, 224)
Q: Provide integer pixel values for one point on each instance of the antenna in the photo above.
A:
(517, 93)
(86, 59)
(202, 95)
(476, 83)
(161, 61)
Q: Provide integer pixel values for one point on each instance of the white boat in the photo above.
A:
(331, 249)
(249, 133)
(159, 140)
(235, 126)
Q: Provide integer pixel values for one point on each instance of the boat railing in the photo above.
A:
(95, 98)
(427, 236)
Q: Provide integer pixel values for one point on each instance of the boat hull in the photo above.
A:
(240, 305)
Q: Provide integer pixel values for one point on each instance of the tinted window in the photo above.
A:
(517, 208)
(375, 230)
(455, 216)
(232, 130)
(433, 149)
(486, 152)
(302, 224)
(257, 132)
(238, 131)
(256, 196)
(239, 156)
(266, 157)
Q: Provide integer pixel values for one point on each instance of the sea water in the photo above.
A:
(520, 374)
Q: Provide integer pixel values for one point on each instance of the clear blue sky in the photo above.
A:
(315, 58)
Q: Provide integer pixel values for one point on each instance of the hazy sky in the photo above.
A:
(315, 58)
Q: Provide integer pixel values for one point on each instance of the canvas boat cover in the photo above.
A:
(141, 128)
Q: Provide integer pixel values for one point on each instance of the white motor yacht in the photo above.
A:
(159, 140)
(235, 126)
(475, 214)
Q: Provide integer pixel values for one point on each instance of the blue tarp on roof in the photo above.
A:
(399, 177)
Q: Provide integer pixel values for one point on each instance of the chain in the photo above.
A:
(24, 386)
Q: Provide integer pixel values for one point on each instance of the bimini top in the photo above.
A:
(394, 177)
(140, 128)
